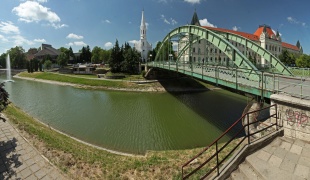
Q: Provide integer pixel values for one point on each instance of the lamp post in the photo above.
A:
(170, 56)
(151, 57)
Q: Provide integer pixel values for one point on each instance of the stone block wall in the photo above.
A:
(294, 116)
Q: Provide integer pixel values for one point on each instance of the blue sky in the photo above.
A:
(77, 23)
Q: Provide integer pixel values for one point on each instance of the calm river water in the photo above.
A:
(128, 121)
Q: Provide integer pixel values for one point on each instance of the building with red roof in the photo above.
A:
(203, 51)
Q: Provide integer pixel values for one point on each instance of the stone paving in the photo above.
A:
(284, 158)
(20, 160)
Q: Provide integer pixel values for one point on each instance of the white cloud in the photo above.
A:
(20, 40)
(39, 40)
(8, 28)
(295, 21)
(275, 32)
(133, 41)
(147, 25)
(77, 43)
(32, 11)
(205, 22)
(40, 1)
(192, 1)
(108, 45)
(107, 21)
(170, 21)
(235, 28)
(3, 39)
(74, 36)
(58, 26)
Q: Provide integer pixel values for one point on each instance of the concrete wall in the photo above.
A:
(294, 115)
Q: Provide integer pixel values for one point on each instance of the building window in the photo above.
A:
(215, 50)
(193, 49)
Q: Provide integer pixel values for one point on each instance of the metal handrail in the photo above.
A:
(215, 142)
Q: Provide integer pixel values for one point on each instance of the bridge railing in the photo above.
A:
(303, 72)
(240, 77)
(211, 158)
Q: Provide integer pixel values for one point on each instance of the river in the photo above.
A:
(130, 122)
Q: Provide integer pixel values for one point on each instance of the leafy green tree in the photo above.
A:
(35, 64)
(167, 49)
(85, 54)
(71, 54)
(47, 64)
(287, 58)
(4, 99)
(105, 54)
(303, 61)
(62, 59)
(96, 55)
(40, 66)
(131, 60)
(18, 58)
(3, 60)
(116, 58)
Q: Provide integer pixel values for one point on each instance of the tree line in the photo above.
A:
(122, 58)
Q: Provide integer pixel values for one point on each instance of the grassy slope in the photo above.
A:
(80, 161)
(74, 80)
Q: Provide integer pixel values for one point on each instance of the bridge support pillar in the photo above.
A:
(294, 115)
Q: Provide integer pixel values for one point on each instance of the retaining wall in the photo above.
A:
(294, 116)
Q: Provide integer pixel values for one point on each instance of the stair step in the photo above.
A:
(267, 171)
(247, 170)
(236, 175)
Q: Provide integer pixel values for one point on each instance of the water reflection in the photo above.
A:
(130, 122)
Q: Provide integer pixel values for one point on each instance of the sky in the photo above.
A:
(78, 23)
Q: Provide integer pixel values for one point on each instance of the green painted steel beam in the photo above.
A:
(268, 56)
(218, 41)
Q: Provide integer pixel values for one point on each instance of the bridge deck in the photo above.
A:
(236, 78)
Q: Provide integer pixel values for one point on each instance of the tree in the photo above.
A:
(287, 58)
(4, 99)
(303, 61)
(47, 64)
(96, 55)
(18, 58)
(85, 54)
(116, 58)
(131, 60)
(105, 54)
(167, 49)
(3, 60)
(62, 59)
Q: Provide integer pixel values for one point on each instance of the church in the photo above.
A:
(142, 45)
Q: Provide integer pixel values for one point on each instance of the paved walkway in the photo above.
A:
(284, 158)
(20, 160)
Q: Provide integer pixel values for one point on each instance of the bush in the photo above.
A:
(101, 71)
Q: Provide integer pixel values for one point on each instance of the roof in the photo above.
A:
(243, 34)
(195, 20)
(255, 36)
(47, 50)
(261, 29)
(290, 46)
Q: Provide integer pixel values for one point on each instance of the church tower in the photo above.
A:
(142, 45)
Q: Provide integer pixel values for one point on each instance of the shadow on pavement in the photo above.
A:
(9, 159)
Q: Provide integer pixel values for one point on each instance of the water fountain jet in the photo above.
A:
(8, 69)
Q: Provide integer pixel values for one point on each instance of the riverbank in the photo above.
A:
(80, 161)
(171, 85)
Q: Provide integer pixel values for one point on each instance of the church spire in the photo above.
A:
(195, 19)
(142, 27)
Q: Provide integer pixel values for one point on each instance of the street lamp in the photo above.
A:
(170, 57)
(151, 58)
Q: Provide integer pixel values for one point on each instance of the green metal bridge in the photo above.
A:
(240, 74)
